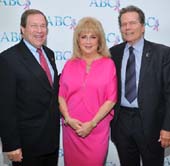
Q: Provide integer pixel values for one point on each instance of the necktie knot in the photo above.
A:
(131, 49)
(39, 50)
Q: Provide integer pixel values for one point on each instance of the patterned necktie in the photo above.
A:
(44, 65)
(130, 81)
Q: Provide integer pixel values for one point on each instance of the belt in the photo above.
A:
(129, 108)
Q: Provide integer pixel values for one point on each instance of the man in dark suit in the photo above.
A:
(29, 120)
(141, 126)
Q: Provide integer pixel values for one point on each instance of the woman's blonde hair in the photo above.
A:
(86, 25)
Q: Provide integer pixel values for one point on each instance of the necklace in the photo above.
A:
(89, 62)
(88, 66)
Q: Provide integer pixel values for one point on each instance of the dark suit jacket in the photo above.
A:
(153, 90)
(29, 115)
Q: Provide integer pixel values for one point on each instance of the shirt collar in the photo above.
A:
(138, 46)
(30, 47)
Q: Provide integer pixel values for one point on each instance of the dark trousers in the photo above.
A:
(44, 160)
(131, 144)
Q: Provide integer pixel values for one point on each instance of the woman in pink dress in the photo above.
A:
(87, 94)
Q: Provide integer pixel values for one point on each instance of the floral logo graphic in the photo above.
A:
(27, 4)
(156, 25)
(73, 24)
(153, 23)
(117, 6)
(117, 40)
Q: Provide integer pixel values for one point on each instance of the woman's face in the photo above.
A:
(88, 43)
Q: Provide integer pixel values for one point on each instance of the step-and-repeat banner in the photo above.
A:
(62, 18)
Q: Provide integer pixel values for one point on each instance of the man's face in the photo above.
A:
(35, 31)
(131, 28)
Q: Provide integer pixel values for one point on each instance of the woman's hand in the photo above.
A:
(86, 128)
(73, 123)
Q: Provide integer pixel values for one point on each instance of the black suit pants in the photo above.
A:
(131, 144)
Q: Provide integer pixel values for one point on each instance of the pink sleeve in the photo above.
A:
(62, 86)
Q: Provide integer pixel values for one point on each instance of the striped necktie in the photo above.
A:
(130, 80)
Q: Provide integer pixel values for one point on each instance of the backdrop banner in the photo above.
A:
(62, 18)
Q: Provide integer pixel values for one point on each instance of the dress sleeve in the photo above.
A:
(112, 83)
(62, 85)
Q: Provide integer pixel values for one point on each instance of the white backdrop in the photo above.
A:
(64, 15)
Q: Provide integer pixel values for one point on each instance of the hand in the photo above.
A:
(15, 155)
(85, 129)
(74, 123)
(164, 138)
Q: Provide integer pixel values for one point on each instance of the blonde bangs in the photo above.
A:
(88, 27)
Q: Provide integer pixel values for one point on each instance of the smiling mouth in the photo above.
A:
(88, 47)
(129, 33)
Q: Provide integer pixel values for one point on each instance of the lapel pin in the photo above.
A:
(147, 55)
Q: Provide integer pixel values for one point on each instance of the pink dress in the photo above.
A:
(84, 93)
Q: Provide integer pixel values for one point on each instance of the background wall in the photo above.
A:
(63, 17)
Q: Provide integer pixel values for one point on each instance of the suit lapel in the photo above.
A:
(146, 57)
(33, 66)
(118, 60)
